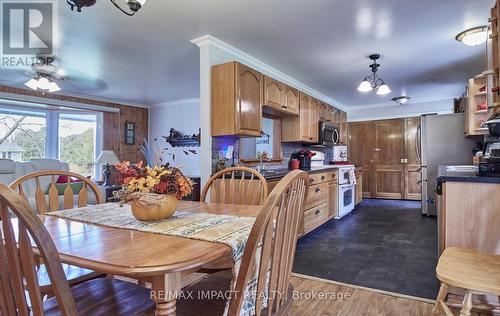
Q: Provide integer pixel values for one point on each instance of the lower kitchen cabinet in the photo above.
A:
(359, 186)
(322, 200)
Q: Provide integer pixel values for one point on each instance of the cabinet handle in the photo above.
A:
(323, 177)
(317, 212)
(317, 190)
(311, 180)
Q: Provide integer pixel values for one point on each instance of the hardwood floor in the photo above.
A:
(352, 300)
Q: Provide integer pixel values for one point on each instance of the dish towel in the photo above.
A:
(225, 229)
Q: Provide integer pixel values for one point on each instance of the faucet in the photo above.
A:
(261, 165)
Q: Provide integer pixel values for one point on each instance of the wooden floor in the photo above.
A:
(352, 300)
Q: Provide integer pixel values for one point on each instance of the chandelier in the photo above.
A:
(133, 5)
(373, 81)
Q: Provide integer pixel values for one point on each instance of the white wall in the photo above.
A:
(367, 113)
(184, 116)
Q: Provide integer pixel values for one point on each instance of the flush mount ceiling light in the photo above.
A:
(373, 81)
(133, 5)
(401, 100)
(474, 36)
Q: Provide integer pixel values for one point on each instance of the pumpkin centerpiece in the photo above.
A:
(152, 192)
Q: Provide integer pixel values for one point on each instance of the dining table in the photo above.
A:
(160, 260)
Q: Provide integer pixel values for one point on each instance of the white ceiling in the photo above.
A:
(148, 58)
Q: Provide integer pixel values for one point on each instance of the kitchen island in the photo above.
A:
(468, 210)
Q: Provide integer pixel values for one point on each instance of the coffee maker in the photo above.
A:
(490, 166)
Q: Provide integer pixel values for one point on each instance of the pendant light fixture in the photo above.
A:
(373, 81)
(133, 5)
(474, 36)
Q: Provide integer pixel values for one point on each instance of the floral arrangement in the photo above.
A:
(160, 179)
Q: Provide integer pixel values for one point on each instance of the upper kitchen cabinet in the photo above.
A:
(476, 109)
(292, 100)
(343, 128)
(305, 127)
(279, 99)
(237, 96)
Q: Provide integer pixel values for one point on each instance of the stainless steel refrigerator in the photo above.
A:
(442, 143)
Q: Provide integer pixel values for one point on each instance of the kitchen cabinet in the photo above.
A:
(389, 153)
(343, 128)
(476, 109)
(279, 99)
(291, 100)
(274, 93)
(469, 216)
(236, 96)
(305, 127)
(359, 185)
(413, 189)
(324, 112)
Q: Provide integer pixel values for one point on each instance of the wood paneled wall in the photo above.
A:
(114, 123)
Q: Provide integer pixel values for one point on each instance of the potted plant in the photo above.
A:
(152, 192)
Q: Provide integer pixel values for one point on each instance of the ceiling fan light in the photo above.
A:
(401, 99)
(365, 86)
(32, 84)
(474, 36)
(43, 83)
(53, 87)
(383, 89)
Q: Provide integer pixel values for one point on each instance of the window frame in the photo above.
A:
(52, 130)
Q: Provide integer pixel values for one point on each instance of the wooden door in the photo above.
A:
(323, 111)
(313, 121)
(389, 151)
(361, 153)
(343, 128)
(274, 93)
(292, 99)
(330, 113)
(249, 99)
(412, 164)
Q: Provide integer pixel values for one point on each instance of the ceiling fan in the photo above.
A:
(134, 5)
(46, 75)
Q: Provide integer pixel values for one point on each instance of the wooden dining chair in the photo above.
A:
(476, 272)
(20, 291)
(270, 250)
(52, 192)
(75, 275)
(236, 185)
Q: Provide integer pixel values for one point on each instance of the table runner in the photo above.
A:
(226, 229)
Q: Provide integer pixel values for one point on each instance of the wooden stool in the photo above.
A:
(476, 272)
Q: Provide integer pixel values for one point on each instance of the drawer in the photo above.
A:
(316, 178)
(317, 194)
(315, 217)
(331, 176)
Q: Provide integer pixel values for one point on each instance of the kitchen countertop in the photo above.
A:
(281, 172)
(445, 175)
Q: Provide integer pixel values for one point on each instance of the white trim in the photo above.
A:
(172, 103)
(393, 104)
(264, 68)
(27, 100)
(395, 116)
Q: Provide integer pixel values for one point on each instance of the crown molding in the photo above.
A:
(259, 65)
(385, 105)
(173, 103)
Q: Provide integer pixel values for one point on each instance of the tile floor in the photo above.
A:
(382, 244)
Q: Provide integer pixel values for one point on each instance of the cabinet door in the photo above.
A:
(292, 99)
(361, 153)
(313, 123)
(305, 112)
(330, 113)
(389, 151)
(412, 159)
(333, 199)
(249, 99)
(323, 111)
(343, 128)
(274, 93)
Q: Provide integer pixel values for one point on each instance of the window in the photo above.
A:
(72, 136)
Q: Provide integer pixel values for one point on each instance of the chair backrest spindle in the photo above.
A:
(232, 186)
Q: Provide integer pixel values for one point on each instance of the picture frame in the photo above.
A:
(129, 133)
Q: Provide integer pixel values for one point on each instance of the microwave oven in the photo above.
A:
(329, 134)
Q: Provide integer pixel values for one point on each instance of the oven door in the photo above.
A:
(346, 199)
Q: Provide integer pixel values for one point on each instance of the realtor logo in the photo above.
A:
(28, 29)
